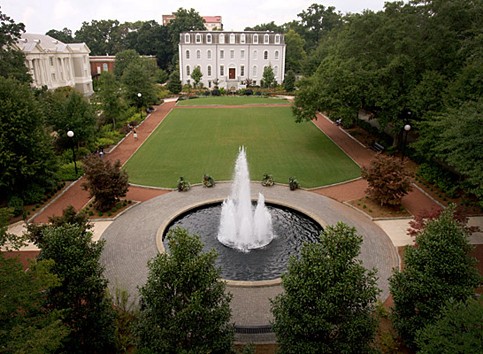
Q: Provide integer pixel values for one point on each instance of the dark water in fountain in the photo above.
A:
(292, 230)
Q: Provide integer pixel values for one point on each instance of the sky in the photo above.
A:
(40, 16)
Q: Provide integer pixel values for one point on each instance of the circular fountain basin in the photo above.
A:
(291, 229)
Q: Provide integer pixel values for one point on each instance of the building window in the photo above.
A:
(242, 70)
(232, 38)
(187, 38)
(265, 55)
(221, 39)
(198, 38)
(187, 54)
(222, 70)
(208, 54)
(276, 55)
(275, 70)
(99, 69)
(255, 54)
(242, 38)
(232, 54)
(266, 38)
(277, 39)
(53, 77)
(104, 67)
(255, 39)
(254, 82)
(198, 54)
(254, 71)
(242, 54)
(51, 59)
(222, 54)
(188, 71)
(209, 84)
(208, 38)
(209, 70)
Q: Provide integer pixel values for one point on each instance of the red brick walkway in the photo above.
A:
(414, 202)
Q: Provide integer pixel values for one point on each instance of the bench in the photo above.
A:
(377, 147)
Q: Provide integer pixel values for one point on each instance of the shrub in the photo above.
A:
(293, 183)
(215, 92)
(388, 180)
(16, 205)
(67, 171)
(208, 181)
(267, 180)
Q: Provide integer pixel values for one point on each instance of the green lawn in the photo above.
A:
(191, 142)
(231, 101)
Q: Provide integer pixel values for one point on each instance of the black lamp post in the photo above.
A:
(406, 128)
(140, 105)
(70, 134)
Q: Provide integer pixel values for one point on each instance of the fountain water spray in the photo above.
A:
(241, 226)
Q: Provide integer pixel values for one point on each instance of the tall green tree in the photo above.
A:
(328, 297)
(174, 83)
(12, 60)
(103, 37)
(27, 162)
(27, 325)
(271, 26)
(81, 294)
(124, 59)
(436, 269)
(289, 81)
(138, 77)
(185, 305)
(109, 96)
(268, 77)
(295, 52)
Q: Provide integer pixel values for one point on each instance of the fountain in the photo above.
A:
(241, 226)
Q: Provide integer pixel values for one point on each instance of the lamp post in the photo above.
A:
(70, 134)
(140, 105)
(406, 128)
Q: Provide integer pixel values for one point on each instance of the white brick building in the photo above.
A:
(231, 57)
(55, 64)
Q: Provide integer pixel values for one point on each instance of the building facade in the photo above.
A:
(55, 64)
(231, 59)
(101, 63)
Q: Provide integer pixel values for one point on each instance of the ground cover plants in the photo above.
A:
(192, 142)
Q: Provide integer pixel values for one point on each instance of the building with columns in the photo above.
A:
(55, 64)
(229, 59)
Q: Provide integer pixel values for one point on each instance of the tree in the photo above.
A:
(272, 27)
(81, 294)
(455, 138)
(108, 95)
(105, 182)
(388, 180)
(328, 297)
(185, 305)
(289, 82)
(27, 162)
(123, 60)
(196, 75)
(268, 77)
(27, 325)
(65, 36)
(457, 329)
(138, 77)
(69, 217)
(296, 54)
(104, 37)
(436, 269)
(184, 21)
(174, 83)
(12, 60)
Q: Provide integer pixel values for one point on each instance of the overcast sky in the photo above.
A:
(40, 16)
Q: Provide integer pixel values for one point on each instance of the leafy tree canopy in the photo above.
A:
(65, 36)
(185, 306)
(328, 297)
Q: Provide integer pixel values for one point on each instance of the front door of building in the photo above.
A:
(231, 73)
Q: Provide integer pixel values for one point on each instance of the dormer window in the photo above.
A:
(277, 39)
(198, 38)
(187, 38)
(266, 39)
(222, 39)
(242, 38)
(255, 39)
(208, 38)
(232, 38)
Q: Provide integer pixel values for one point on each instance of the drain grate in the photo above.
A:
(253, 329)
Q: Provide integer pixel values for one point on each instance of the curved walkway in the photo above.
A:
(131, 241)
